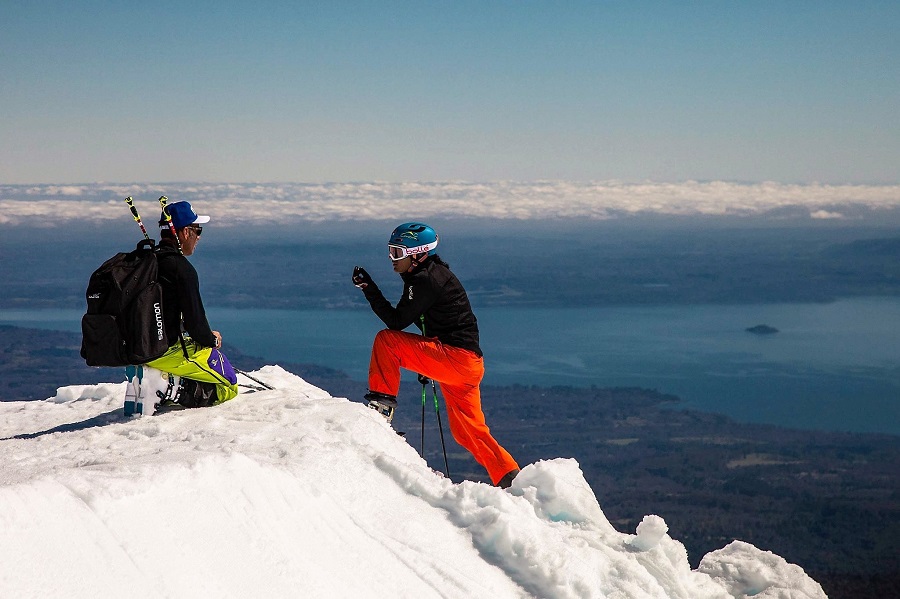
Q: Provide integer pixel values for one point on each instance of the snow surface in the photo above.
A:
(294, 493)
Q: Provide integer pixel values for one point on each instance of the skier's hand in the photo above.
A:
(361, 278)
(218, 337)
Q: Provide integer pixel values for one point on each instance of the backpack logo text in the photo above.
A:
(159, 322)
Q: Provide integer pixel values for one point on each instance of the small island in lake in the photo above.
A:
(762, 329)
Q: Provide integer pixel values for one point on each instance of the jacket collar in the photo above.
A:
(423, 265)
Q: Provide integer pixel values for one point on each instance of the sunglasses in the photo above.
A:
(198, 230)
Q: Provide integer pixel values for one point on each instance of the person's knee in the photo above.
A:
(386, 337)
(225, 393)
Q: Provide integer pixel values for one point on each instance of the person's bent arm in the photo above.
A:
(192, 312)
(407, 311)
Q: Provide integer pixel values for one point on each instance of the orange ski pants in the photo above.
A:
(459, 371)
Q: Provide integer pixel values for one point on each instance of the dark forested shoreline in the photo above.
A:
(829, 502)
(529, 265)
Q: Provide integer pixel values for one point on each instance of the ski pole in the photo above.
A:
(436, 411)
(255, 380)
(440, 427)
(163, 200)
(130, 201)
(424, 382)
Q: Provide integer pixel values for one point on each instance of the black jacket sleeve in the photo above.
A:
(182, 305)
(418, 296)
(192, 312)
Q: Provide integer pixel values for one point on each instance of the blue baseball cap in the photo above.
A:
(182, 215)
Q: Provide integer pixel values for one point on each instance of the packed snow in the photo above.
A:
(293, 493)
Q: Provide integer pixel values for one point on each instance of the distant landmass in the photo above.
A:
(762, 329)
(829, 502)
(521, 265)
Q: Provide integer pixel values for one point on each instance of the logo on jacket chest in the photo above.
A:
(409, 294)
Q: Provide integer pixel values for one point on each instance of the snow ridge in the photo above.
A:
(292, 492)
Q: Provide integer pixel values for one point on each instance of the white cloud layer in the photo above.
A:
(284, 202)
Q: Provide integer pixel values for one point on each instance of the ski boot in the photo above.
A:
(159, 391)
(382, 403)
(197, 394)
(507, 480)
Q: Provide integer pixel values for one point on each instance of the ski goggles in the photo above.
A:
(399, 252)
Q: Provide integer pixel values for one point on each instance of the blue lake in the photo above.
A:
(831, 366)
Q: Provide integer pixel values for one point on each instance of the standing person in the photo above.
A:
(447, 351)
(206, 376)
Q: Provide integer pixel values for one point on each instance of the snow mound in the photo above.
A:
(746, 571)
(295, 493)
(650, 532)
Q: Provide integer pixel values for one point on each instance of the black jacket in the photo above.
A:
(181, 297)
(435, 292)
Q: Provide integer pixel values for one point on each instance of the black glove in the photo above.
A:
(361, 278)
(423, 379)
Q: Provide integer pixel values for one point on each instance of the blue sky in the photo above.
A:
(794, 92)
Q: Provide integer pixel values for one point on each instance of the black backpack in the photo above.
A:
(124, 320)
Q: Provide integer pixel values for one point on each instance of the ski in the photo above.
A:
(134, 373)
(139, 400)
(132, 390)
